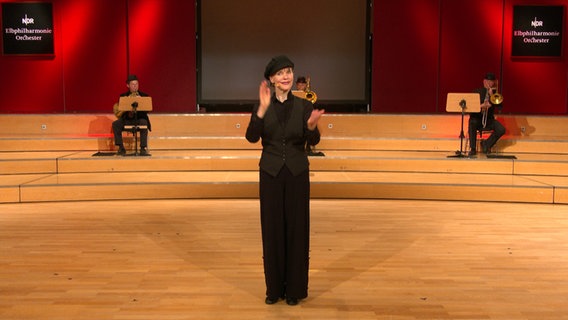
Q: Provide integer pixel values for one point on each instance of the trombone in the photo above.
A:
(307, 93)
(311, 96)
(495, 98)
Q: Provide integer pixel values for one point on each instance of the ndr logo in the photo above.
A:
(27, 20)
(535, 23)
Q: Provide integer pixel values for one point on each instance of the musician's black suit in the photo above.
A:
(127, 118)
(476, 124)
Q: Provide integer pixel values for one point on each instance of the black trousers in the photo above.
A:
(285, 224)
(118, 127)
(492, 124)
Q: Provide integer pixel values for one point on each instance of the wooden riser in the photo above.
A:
(419, 191)
(226, 131)
(329, 190)
(333, 125)
(139, 192)
(10, 194)
(231, 184)
(75, 176)
(250, 162)
(239, 143)
(207, 156)
(245, 160)
(106, 144)
(561, 195)
(28, 166)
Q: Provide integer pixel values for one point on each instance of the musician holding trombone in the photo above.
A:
(485, 119)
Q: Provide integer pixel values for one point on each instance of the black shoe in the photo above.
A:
(144, 152)
(291, 301)
(472, 153)
(315, 154)
(270, 300)
(485, 147)
(121, 151)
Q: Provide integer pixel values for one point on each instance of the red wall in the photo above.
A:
(93, 50)
(405, 55)
(470, 46)
(422, 49)
(163, 52)
(97, 43)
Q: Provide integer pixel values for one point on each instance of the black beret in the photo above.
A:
(131, 77)
(490, 76)
(276, 64)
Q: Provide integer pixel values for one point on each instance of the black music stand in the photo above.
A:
(464, 103)
(135, 104)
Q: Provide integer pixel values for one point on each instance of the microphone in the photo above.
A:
(134, 104)
(462, 103)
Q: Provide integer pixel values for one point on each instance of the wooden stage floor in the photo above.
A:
(201, 259)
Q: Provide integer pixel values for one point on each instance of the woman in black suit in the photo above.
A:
(285, 123)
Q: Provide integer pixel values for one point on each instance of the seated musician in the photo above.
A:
(128, 118)
(485, 119)
(302, 85)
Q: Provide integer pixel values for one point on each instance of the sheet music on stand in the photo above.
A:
(129, 103)
(466, 102)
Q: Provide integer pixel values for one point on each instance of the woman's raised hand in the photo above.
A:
(264, 97)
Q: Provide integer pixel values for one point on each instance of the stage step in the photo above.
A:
(244, 184)
(74, 176)
(70, 158)
(86, 132)
(245, 160)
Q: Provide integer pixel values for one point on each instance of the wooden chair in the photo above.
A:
(480, 139)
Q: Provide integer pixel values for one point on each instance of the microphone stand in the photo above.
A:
(135, 128)
(460, 152)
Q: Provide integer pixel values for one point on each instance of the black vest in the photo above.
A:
(283, 144)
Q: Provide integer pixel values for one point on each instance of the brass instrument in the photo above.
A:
(118, 113)
(496, 99)
(311, 96)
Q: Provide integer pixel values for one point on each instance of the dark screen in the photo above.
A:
(326, 39)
